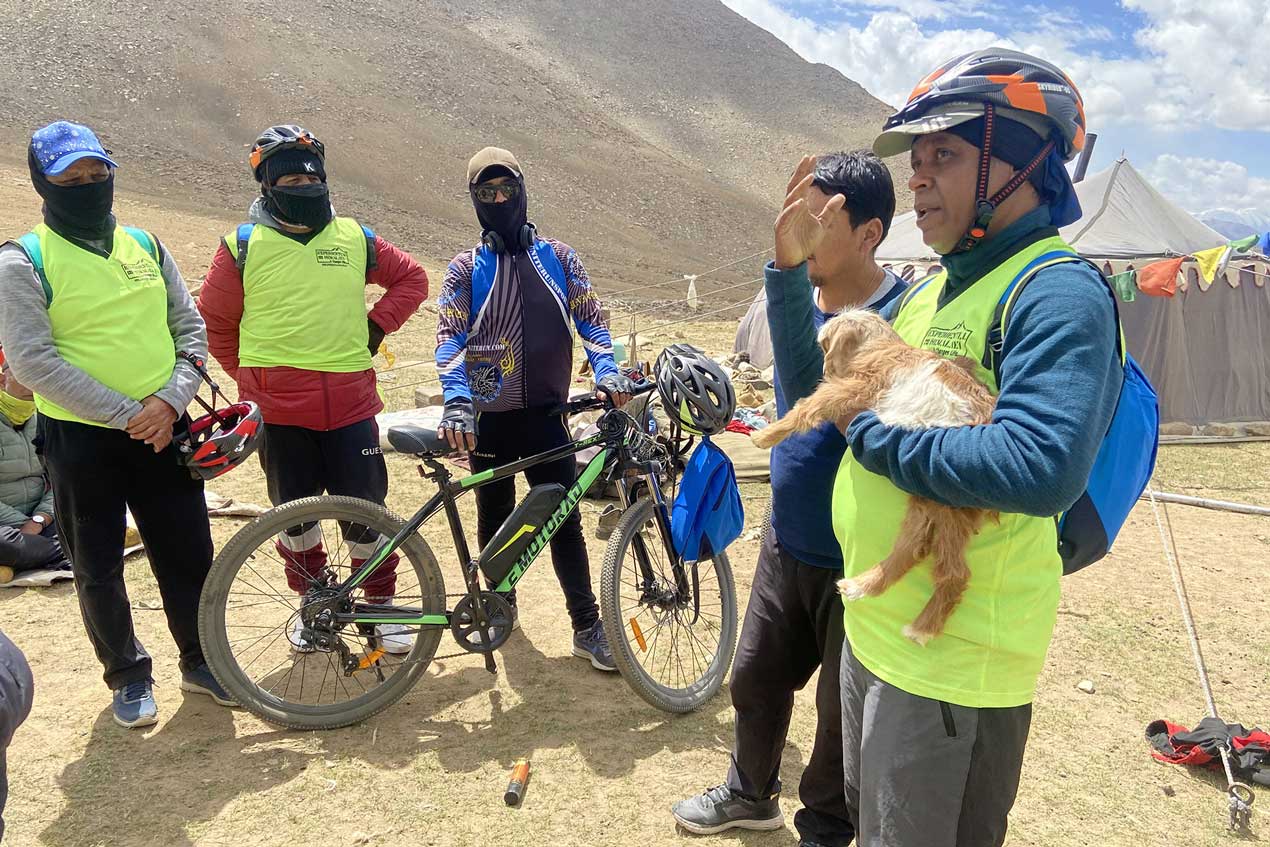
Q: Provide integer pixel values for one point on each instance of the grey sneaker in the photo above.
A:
(133, 705)
(719, 809)
(201, 681)
(593, 644)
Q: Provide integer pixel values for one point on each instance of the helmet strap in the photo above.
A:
(200, 366)
(985, 206)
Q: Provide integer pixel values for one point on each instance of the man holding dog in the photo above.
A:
(837, 210)
(934, 735)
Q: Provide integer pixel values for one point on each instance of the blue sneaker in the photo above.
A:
(593, 644)
(201, 681)
(133, 705)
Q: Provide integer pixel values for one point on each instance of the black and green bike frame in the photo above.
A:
(614, 438)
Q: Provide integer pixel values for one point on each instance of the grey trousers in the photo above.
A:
(923, 773)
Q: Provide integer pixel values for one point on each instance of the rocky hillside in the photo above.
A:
(656, 135)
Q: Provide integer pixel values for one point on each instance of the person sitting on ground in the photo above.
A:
(28, 533)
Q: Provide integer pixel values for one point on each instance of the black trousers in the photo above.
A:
(29, 552)
(503, 437)
(792, 626)
(95, 472)
(16, 690)
(301, 462)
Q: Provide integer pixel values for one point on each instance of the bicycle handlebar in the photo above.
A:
(599, 401)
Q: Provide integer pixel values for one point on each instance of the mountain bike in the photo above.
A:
(671, 624)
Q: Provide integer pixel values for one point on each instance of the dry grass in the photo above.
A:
(606, 767)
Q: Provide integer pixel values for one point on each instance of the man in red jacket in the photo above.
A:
(284, 302)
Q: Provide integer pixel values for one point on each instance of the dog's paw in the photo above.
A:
(852, 589)
(919, 638)
(765, 437)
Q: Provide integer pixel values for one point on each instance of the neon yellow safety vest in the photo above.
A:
(992, 649)
(304, 305)
(109, 316)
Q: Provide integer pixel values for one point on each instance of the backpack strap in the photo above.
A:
(30, 244)
(147, 242)
(371, 262)
(996, 333)
(242, 236)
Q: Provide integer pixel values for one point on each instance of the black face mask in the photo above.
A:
(76, 211)
(506, 219)
(301, 205)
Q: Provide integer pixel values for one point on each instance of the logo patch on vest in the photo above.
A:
(949, 343)
(333, 257)
(142, 270)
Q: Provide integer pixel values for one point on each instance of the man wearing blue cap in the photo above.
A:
(92, 316)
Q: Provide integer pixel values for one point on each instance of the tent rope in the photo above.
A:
(1239, 795)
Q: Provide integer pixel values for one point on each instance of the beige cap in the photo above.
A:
(488, 158)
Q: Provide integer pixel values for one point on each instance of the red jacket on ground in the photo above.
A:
(293, 396)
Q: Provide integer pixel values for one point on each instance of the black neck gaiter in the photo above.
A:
(81, 212)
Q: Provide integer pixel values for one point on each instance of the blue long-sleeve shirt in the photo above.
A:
(1060, 381)
(803, 466)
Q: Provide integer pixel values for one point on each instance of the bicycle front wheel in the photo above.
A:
(672, 646)
(257, 614)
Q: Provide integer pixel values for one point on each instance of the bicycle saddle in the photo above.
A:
(418, 440)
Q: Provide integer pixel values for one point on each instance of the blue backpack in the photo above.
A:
(708, 507)
(1126, 457)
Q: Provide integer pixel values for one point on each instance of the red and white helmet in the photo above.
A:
(222, 439)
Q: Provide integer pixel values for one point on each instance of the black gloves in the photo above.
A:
(619, 388)
(458, 424)
(376, 334)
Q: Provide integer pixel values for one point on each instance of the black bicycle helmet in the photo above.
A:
(694, 390)
(1018, 86)
(275, 139)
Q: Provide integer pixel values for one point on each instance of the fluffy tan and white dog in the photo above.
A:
(868, 366)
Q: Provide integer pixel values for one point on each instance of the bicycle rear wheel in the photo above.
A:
(674, 654)
(305, 674)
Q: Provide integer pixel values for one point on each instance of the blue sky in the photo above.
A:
(1180, 87)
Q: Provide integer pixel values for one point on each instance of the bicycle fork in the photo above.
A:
(662, 517)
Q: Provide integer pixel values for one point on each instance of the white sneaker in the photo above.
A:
(299, 643)
(394, 638)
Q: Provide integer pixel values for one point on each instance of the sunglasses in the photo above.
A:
(489, 193)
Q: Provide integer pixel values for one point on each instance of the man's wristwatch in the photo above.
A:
(40, 519)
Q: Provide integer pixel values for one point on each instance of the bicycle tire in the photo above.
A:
(669, 699)
(212, 606)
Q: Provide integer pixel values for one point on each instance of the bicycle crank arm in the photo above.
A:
(489, 663)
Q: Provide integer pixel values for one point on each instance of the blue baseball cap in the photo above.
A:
(62, 143)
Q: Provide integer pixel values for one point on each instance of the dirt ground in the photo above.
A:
(431, 770)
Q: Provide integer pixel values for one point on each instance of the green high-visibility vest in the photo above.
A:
(304, 305)
(109, 315)
(992, 649)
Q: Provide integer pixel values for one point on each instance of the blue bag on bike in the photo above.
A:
(708, 506)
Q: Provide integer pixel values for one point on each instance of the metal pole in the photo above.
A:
(1239, 795)
(1083, 163)
(1205, 503)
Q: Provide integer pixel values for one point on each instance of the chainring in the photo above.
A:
(467, 631)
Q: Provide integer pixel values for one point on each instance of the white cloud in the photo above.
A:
(1197, 63)
(1198, 184)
